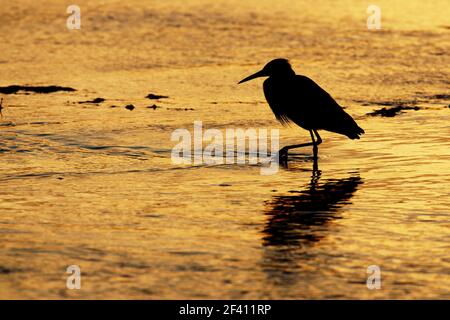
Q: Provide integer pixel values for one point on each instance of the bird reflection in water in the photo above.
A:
(298, 221)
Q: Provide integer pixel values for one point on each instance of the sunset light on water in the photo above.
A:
(89, 177)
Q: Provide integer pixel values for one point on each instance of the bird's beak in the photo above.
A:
(253, 76)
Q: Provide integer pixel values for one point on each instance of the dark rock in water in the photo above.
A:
(440, 96)
(129, 107)
(5, 270)
(36, 89)
(154, 107)
(391, 112)
(96, 101)
(155, 96)
(224, 185)
(393, 103)
(181, 109)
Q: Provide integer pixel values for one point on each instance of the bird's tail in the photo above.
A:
(355, 132)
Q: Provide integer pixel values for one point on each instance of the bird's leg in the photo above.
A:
(315, 148)
(283, 152)
(316, 142)
(319, 139)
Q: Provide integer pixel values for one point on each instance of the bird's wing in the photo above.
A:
(313, 94)
(324, 112)
(299, 100)
(305, 103)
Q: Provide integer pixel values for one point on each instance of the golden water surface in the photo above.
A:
(94, 186)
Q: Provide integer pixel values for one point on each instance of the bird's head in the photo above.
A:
(277, 67)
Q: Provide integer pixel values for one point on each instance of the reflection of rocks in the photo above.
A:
(301, 219)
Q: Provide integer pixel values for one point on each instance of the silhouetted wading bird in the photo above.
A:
(296, 98)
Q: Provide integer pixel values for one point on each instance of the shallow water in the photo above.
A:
(94, 186)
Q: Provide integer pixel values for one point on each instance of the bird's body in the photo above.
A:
(298, 99)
